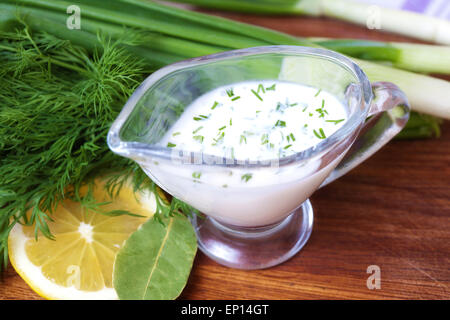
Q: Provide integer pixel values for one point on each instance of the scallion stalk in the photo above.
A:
(179, 34)
(402, 22)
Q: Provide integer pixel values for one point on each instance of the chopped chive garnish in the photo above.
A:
(196, 175)
(293, 104)
(231, 122)
(246, 177)
(304, 109)
(232, 155)
(261, 88)
(290, 137)
(271, 145)
(265, 138)
(272, 87)
(235, 98)
(171, 145)
(280, 123)
(230, 92)
(335, 121)
(215, 105)
(258, 111)
(201, 117)
(176, 134)
(320, 134)
(199, 138)
(323, 103)
(243, 139)
(219, 138)
(288, 146)
(257, 95)
(197, 130)
(310, 114)
(221, 128)
(318, 92)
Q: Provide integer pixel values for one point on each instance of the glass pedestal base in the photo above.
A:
(254, 248)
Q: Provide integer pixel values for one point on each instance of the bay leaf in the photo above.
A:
(156, 260)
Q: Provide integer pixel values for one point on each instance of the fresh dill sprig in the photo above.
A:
(57, 102)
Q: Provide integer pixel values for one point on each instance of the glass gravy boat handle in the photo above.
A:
(388, 114)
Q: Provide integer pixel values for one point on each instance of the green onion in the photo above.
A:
(280, 123)
(199, 138)
(168, 34)
(335, 121)
(197, 130)
(397, 21)
(171, 145)
(196, 175)
(320, 134)
(246, 177)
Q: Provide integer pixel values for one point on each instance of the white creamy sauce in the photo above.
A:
(250, 121)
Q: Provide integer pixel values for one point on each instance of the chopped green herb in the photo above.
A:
(257, 95)
(214, 105)
(293, 104)
(221, 128)
(235, 98)
(246, 177)
(171, 145)
(290, 137)
(225, 186)
(304, 109)
(320, 134)
(201, 117)
(243, 139)
(310, 114)
(230, 92)
(318, 92)
(280, 123)
(265, 138)
(335, 121)
(271, 88)
(231, 122)
(176, 134)
(196, 175)
(219, 139)
(288, 146)
(197, 130)
(199, 138)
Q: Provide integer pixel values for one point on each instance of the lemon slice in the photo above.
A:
(78, 263)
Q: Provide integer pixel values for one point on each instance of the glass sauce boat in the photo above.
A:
(254, 226)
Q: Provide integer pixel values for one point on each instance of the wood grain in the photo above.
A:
(392, 211)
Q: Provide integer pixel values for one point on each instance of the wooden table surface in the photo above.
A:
(392, 211)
